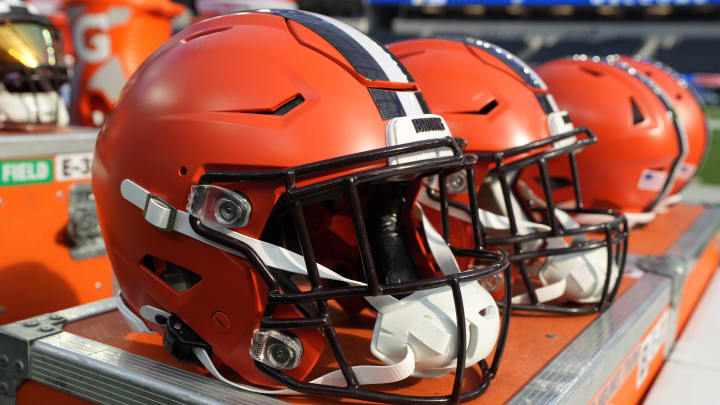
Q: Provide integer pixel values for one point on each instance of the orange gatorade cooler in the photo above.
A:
(210, 8)
(51, 252)
(111, 38)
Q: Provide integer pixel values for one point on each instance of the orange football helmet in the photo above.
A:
(510, 121)
(687, 105)
(252, 163)
(641, 143)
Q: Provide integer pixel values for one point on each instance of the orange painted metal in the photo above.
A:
(111, 38)
(655, 238)
(37, 272)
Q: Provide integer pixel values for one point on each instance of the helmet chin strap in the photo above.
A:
(420, 346)
(667, 202)
(365, 374)
(633, 218)
(576, 276)
(581, 272)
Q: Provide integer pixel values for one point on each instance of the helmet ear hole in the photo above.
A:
(177, 277)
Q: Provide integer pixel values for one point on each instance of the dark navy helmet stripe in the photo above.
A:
(526, 73)
(367, 57)
(387, 102)
(349, 48)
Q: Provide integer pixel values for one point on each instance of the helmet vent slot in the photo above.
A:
(177, 277)
(204, 34)
(488, 107)
(637, 115)
(283, 109)
(591, 72)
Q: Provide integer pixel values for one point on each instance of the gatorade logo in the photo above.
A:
(26, 172)
(97, 47)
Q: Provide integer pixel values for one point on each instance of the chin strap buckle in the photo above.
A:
(180, 341)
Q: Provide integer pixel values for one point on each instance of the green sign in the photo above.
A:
(15, 172)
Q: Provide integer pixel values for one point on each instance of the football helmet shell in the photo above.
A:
(688, 106)
(275, 129)
(641, 143)
(510, 121)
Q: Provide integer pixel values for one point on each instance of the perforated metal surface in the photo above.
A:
(104, 374)
(76, 139)
(87, 310)
(694, 241)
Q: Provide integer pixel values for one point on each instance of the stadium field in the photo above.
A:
(710, 170)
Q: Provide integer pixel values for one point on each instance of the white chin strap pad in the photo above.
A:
(583, 272)
(33, 108)
(667, 202)
(578, 276)
(425, 323)
(587, 278)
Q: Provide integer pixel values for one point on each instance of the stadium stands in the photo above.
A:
(692, 55)
(566, 47)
